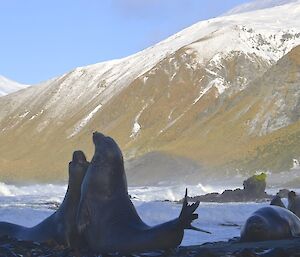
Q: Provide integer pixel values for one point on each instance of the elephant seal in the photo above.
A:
(294, 203)
(276, 201)
(61, 225)
(108, 219)
(271, 223)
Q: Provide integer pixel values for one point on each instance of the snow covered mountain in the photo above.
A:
(258, 5)
(175, 97)
(8, 86)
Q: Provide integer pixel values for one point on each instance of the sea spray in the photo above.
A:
(170, 193)
(30, 204)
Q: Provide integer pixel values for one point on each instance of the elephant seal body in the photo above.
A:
(271, 223)
(106, 215)
(294, 203)
(61, 225)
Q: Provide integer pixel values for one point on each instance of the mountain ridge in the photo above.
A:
(8, 86)
(171, 97)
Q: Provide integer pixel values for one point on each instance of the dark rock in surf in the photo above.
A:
(256, 186)
(254, 190)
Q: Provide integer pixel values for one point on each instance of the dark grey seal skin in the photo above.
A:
(276, 201)
(270, 223)
(294, 203)
(59, 227)
(108, 219)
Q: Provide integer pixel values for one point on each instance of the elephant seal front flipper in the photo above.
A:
(187, 215)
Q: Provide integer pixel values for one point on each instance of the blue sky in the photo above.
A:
(41, 39)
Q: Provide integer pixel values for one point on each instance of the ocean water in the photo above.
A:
(28, 205)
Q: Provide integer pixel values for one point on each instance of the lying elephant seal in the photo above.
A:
(277, 201)
(271, 223)
(294, 203)
(106, 215)
(61, 225)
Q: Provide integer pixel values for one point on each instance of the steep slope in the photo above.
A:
(258, 128)
(169, 98)
(277, 121)
(8, 86)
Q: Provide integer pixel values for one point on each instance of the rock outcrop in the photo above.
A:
(254, 190)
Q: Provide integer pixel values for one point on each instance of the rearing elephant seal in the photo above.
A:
(271, 223)
(106, 215)
(61, 225)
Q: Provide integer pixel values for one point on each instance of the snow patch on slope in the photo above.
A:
(218, 83)
(266, 43)
(85, 121)
(24, 114)
(136, 126)
(203, 92)
(35, 115)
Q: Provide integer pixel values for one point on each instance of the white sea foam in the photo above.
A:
(33, 190)
(171, 193)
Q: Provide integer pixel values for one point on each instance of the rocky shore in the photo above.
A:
(253, 190)
(281, 248)
(278, 248)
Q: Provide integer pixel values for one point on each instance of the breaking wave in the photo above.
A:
(171, 193)
(36, 189)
